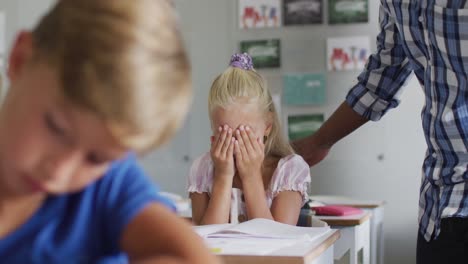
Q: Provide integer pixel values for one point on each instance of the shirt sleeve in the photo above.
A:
(386, 72)
(200, 175)
(122, 193)
(292, 175)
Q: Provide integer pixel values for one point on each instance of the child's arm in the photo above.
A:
(286, 207)
(290, 189)
(215, 209)
(287, 204)
(156, 235)
(250, 153)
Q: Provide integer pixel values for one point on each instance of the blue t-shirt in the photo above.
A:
(84, 227)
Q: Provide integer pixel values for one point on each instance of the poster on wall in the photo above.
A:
(265, 53)
(300, 126)
(302, 12)
(348, 11)
(304, 89)
(259, 13)
(348, 53)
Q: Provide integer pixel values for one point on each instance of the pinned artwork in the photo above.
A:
(302, 12)
(264, 53)
(300, 126)
(344, 54)
(347, 11)
(259, 14)
(304, 89)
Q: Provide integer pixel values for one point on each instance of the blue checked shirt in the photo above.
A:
(429, 38)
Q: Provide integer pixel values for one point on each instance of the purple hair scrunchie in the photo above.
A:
(242, 61)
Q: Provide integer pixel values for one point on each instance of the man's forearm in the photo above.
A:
(340, 124)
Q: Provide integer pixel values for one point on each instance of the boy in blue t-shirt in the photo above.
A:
(93, 83)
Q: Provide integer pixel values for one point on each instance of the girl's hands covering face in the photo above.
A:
(222, 152)
(249, 151)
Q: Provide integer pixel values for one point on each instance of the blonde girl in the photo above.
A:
(251, 171)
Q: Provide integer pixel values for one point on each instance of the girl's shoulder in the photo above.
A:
(202, 164)
(201, 174)
(292, 161)
(292, 174)
(291, 169)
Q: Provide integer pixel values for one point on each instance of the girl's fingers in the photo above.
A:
(219, 142)
(241, 144)
(245, 139)
(222, 138)
(215, 138)
(230, 150)
(253, 141)
(227, 142)
(237, 151)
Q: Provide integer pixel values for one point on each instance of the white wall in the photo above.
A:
(352, 168)
(20, 15)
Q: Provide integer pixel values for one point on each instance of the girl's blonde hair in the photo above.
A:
(124, 61)
(236, 83)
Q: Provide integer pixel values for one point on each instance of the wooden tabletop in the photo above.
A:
(342, 200)
(350, 220)
(301, 253)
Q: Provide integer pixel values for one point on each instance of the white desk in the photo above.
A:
(355, 237)
(376, 222)
(319, 251)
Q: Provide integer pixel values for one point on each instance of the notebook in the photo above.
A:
(336, 210)
(261, 228)
(256, 237)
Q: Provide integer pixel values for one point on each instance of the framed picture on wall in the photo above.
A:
(347, 53)
(300, 126)
(302, 12)
(304, 89)
(259, 14)
(348, 11)
(265, 53)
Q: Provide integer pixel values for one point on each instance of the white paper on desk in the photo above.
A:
(205, 230)
(262, 228)
(252, 246)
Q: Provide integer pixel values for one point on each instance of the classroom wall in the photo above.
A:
(382, 161)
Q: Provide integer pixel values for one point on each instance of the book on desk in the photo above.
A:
(266, 241)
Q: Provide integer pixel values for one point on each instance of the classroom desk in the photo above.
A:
(355, 237)
(319, 251)
(376, 221)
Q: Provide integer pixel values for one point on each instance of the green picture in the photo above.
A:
(265, 53)
(300, 126)
(304, 89)
(347, 11)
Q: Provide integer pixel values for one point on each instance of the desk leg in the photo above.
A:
(345, 245)
(325, 258)
(379, 220)
(362, 244)
(376, 235)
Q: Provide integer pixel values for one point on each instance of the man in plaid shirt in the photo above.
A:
(430, 39)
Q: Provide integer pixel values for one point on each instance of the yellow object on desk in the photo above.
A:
(216, 250)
